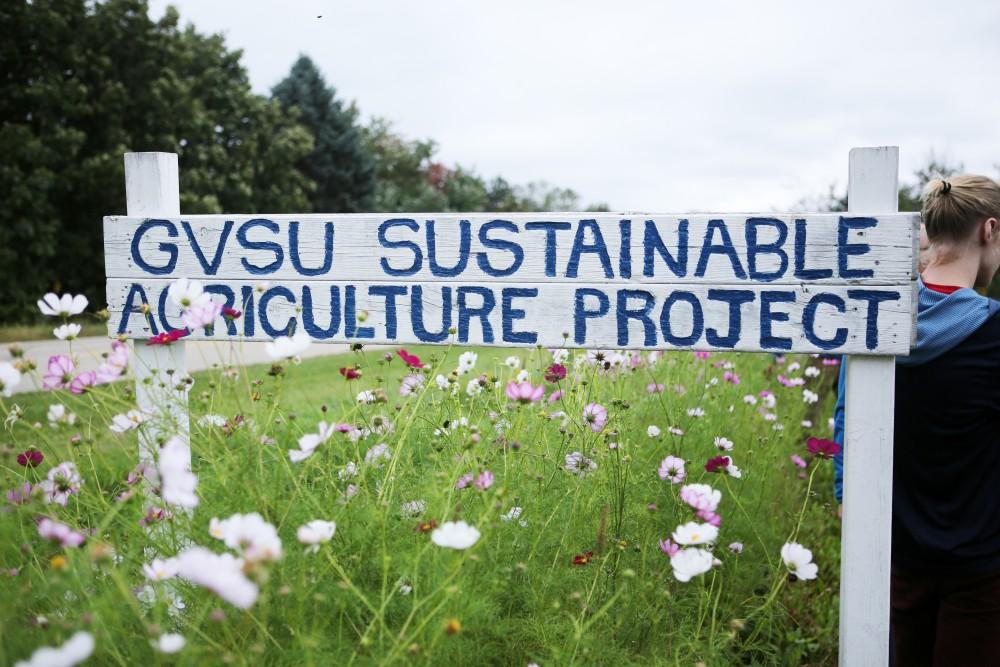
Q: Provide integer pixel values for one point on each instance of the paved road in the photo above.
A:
(200, 354)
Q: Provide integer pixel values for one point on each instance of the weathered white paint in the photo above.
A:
(151, 189)
(357, 252)
(867, 526)
(550, 314)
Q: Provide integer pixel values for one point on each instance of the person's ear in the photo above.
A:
(990, 229)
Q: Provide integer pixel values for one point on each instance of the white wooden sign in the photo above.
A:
(788, 282)
(805, 283)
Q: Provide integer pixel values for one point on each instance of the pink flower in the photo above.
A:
(798, 461)
(731, 377)
(168, 337)
(524, 392)
(654, 388)
(700, 497)
(831, 362)
(669, 548)
(702, 355)
(411, 360)
(484, 481)
(60, 532)
(62, 482)
(201, 314)
(672, 468)
(736, 547)
(709, 517)
(464, 481)
(60, 372)
(554, 373)
(717, 464)
(596, 415)
(19, 495)
(555, 396)
(822, 448)
(83, 381)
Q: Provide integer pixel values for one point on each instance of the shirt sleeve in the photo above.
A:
(838, 433)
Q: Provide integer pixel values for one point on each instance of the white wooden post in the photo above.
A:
(152, 190)
(870, 387)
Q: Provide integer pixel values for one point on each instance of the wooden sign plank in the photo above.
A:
(531, 247)
(777, 318)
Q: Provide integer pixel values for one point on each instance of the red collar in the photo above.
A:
(943, 289)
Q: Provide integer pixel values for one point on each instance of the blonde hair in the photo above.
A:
(953, 206)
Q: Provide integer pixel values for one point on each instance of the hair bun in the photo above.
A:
(945, 187)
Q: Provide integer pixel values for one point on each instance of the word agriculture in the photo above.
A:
(827, 282)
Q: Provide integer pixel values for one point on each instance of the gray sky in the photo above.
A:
(660, 106)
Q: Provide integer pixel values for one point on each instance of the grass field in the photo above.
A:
(575, 576)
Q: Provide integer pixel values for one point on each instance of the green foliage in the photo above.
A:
(516, 594)
(339, 164)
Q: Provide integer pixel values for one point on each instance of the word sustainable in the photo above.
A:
(834, 283)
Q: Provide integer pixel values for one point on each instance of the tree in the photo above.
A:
(343, 171)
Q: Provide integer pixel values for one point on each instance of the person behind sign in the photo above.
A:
(945, 591)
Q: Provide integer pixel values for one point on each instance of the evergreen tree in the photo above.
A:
(343, 171)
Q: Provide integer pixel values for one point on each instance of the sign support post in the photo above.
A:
(152, 190)
(866, 534)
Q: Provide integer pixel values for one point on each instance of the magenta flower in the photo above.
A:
(484, 481)
(718, 464)
(596, 415)
(555, 396)
(655, 388)
(826, 449)
(60, 532)
(831, 362)
(411, 360)
(702, 355)
(668, 547)
(672, 468)
(30, 458)
(731, 377)
(464, 481)
(524, 392)
(554, 373)
(798, 461)
(60, 372)
(83, 382)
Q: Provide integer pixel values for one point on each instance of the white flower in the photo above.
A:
(769, 401)
(184, 292)
(284, 347)
(411, 384)
(733, 471)
(798, 560)
(769, 416)
(57, 415)
(442, 382)
(794, 366)
(455, 535)
(689, 563)
(66, 306)
(513, 513)
(77, 649)
(375, 455)
(67, 331)
(466, 362)
(513, 362)
(250, 534)
(673, 430)
(474, 388)
(750, 399)
(178, 482)
(413, 508)
(202, 312)
(695, 412)
(559, 356)
(806, 423)
(693, 533)
(316, 533)
(212, 420)
(170, 643)
(367, 397)
(809, 396)
(725, 444)
(348, 471)
(812, 372)
(10, 377)
(220, 573)
(310, 441)
(653, 431)
(127, 421)
(261, 287)
(160, 569)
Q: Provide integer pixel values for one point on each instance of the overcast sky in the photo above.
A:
(659, 106)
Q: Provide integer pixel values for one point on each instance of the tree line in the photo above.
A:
(84, 82)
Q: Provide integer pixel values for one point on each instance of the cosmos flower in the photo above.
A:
(285, 347)
(555, 373)
(455, 535)
(10, 377)
(689, 563)
(694, 533)
(579, 464)
(67, 331)
(76, 649)
(672, 468)
(823, 448)
(798, 560)
(178, 483)
(61, 482)
(524, 392)
(30, 458)
(220, 573)
(315, 533)
(596, 415)
(65, 306)
(411, 360)
(60, 532)
(60, 372)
